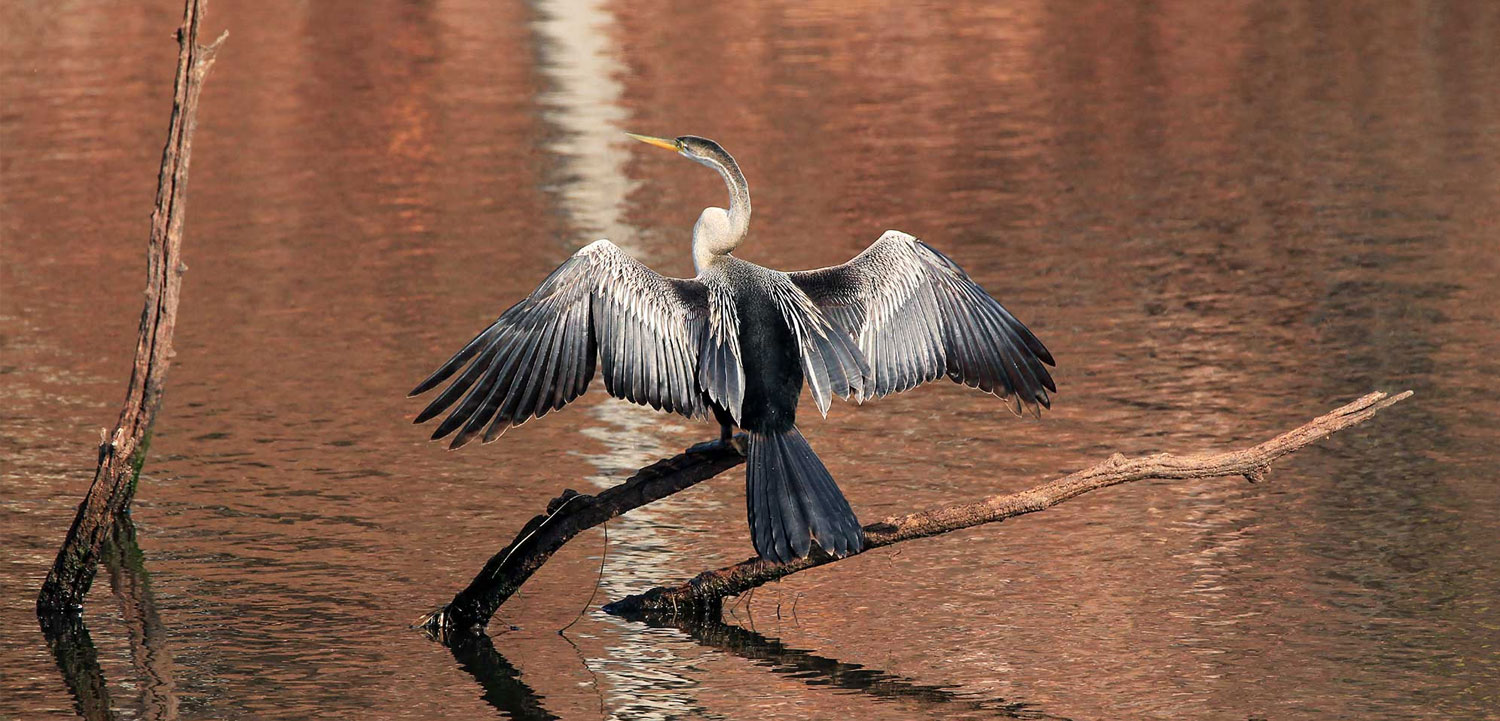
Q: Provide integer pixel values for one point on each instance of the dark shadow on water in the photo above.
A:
(73, 649)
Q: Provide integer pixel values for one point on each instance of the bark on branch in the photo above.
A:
(570, 514)
(567, 516)
(704, 594)
(122, 453)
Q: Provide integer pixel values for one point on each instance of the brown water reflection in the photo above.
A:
(1222, 220)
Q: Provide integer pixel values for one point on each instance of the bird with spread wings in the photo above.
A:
(739, 341)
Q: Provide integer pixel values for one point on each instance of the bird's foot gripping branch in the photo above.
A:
(569, 515)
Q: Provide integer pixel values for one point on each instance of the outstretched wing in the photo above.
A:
(540, 354)
(917, 316)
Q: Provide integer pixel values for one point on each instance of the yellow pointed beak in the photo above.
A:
(658, 142)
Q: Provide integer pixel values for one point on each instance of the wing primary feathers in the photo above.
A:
(962, 345)
(910, 356)
(480, 342)
(524, 382)
(476, 396)
(563, 383)
(528, 402)
(624, 356)
(455, 391)
(608, 345)
(992, 348)
(634, 347)
(481, 414)
(502, 384)
(1019, 365)
(657, 381)
(1033, 344)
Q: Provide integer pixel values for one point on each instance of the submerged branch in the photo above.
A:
(704, 594)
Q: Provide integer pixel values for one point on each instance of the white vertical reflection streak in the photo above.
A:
(643, 679)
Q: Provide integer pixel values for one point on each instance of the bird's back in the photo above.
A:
(769, 351)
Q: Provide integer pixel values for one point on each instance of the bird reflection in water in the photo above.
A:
(503, 687)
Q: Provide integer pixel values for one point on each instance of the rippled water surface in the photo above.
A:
(1222, 220)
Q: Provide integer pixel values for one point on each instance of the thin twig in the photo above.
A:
(597, 581)
(583, 661)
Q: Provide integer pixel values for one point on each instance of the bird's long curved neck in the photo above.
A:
(717, 232)
(739, 199)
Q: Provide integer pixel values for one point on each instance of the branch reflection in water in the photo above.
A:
(73, 649)
(504, 689)
(502, 684)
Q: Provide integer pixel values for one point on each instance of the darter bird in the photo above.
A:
(739, 341)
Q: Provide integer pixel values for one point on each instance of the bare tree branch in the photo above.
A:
(123, 452)
(704, 594)
(571, 513)
(568, 515)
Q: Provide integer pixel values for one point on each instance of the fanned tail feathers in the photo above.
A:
(792, 500)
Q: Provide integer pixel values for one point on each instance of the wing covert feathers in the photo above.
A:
(721, 372)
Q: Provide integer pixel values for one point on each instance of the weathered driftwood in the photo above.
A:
(704, 594)
(570, 514)
(123, 451)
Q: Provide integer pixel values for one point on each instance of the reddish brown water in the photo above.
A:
(1222, 221)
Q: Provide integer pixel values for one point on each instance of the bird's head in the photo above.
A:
(717, 231)
(692, 147)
